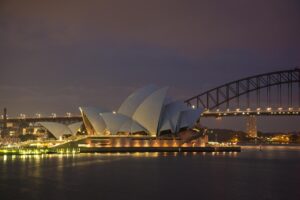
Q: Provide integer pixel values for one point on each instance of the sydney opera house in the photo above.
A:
(146, 113)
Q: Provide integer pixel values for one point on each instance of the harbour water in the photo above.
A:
(273, 173)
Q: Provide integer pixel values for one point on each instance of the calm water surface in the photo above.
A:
(252, 174)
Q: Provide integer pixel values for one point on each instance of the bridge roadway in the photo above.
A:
(71, 119)
(248, 112)
(213, 113)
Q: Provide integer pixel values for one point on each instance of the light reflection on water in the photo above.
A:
(265, 151)
(272, 147)
(271, 173)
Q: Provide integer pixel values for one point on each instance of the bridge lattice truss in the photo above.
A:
(262, 90)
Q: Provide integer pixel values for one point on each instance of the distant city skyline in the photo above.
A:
(57, 57)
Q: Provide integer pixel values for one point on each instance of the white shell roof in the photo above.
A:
(132, 127)
(56, 129)
(120, 123)
(132, 102)
(188, 118)
(93, 115)
(74, 127)
(148, 112)
(170, 116)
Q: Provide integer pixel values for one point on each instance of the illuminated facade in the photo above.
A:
(147, 112)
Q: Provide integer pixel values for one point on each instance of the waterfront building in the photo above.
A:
(148, 112)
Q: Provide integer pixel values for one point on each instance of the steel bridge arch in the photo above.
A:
(223, 94)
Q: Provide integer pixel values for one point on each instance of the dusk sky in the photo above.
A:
(58, 55)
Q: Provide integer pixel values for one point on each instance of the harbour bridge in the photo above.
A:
(275, 93)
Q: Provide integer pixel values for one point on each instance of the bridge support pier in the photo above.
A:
(251, 126)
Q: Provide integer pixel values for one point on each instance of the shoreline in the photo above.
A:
(83, 150)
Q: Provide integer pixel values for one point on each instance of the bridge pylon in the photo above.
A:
(251, 126)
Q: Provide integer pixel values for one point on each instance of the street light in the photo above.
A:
(22, 116)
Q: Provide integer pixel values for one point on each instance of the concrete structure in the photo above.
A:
(251, 127)
(58, 130)
(147, 112)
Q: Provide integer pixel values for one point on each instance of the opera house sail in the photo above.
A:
(58, 130)
(147, 111)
